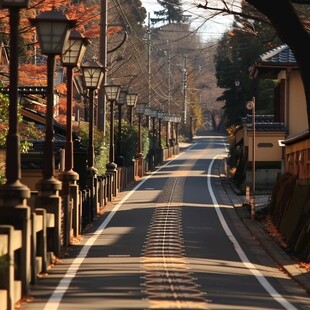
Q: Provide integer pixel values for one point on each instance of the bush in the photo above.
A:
(129, 142)
(100, 148)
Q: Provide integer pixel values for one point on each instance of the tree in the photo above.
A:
(293, 31)
(290, 19)
(171, 12)
(237, 51)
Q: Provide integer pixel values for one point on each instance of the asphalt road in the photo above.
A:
(174, 241)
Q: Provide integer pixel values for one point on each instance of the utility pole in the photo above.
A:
(169, 78)
(184, 90)
(148, 67)
(149, 60)
(101, 108)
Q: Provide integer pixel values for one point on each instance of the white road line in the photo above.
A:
(57, 295)
(259, 276)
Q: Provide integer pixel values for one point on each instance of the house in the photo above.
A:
(268, 150)
(290, 203)
(290, 107)
(281, 140)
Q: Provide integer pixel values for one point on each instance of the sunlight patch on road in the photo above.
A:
(226, 267)
(166, 304)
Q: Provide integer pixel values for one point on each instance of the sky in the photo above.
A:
(208, 30)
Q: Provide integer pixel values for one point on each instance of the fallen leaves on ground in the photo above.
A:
(272, 230)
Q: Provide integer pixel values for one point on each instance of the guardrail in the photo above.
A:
(32, 236)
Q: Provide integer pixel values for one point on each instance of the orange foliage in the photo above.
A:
(113, 30)
(61, 119)
(305, 265)
(41, 109)
(88, 23)
(87, 18)
(62, 105)
(32, 75)
(61, 88)
(273, 231)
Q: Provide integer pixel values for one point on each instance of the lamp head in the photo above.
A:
(74, 49)
(112, 91)
(93, 73)
(53, 30)
(131, 99)
(7, 4)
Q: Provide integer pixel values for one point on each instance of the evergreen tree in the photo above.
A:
(172, 12)
(239, 49)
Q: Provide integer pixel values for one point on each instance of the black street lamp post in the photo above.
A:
(120, 102)
(131, 101)
(73, 53)
(53, 30)
(172, 127)
(160, 116)
(93, 74)
(140, 107)
(148, 114)
(112, 93)
(153, 148)
(177, 122)
(13, 189)
(191, 135)
(14, 193)
(166, 118)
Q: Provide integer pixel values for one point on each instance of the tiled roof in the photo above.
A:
(270, 63)
(271, 127)
(264, 123)
(260, 118)
(279, 55)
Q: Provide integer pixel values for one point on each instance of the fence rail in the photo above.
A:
(32, 236)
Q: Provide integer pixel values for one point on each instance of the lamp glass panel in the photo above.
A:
(160, 114)
(52, 35)
(92, 76)
(166, 118)
(131, 100)
(148, 112)
(154, 113)
(140, 108)
(100, 79)
(122, 97)
(112, 92)
(72, 50)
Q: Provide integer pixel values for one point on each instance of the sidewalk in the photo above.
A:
(256, 228)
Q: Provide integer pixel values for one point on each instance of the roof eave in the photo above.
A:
(269, 70)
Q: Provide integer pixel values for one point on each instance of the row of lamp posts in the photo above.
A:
(156, 157)
(121, 97)
(13, 194)
(55, 38)
(74, 51)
